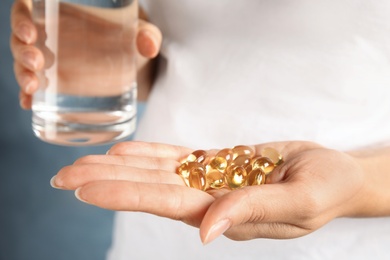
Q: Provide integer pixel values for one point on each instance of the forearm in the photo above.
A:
(373, 199)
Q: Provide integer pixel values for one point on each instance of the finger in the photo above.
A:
(27, 55)
(21, 23)
(149, 39)
(152, 163)
(72, 177)
(26, 79)
(25, 100)
(261, 204)
(150, 150)
(250, 231)
(171, 201)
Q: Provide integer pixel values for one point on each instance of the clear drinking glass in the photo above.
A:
(87, 89)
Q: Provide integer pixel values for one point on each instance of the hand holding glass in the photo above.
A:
(87, 89)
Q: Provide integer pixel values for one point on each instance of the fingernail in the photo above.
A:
(22, 103)
(149, 46)
(108, 152)
(24, 33)
(216, 230)
(29, 59)
(77, 194)
(54, 184)
(151, 36)
(29, 87)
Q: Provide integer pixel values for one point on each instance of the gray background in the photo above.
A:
(38, 222)
(101, 3)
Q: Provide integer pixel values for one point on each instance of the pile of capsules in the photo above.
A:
(230, 168)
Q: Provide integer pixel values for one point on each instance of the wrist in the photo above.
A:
(372, 199)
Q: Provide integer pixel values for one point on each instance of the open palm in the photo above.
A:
(313, 186)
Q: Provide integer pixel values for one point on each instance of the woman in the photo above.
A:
(256, 73)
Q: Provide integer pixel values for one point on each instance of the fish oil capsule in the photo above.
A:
(235, 176)
(226, 153)
(263, 163)
(274, 155)
(242, 150)
(197, 178)
(256, 177)
(215, 179)
(248, 168)
(185, 168)
(242, 160)
(199, 156)
(219, 163)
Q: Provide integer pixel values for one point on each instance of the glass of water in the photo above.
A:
(87, 89)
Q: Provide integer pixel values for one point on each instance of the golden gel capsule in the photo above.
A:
(230, 168)
(256, 177)
(215, 179)
(219, 163)
(242, 150)
(264, 163)
(199, 156)
(197, 178)
(226, 153)
(274, 155)
(248, 168)
(185, 168)
(235, 176)
(242, 160)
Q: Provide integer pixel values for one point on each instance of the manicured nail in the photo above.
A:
(22, 103)
(53, 183)
(77, 193)
(30, 86)
(216, 230)
(24, 33)
(29, 59)
(151, 36)
(149, 46)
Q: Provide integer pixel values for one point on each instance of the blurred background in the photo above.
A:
(38, 222)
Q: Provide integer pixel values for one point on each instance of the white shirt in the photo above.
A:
(253, 71)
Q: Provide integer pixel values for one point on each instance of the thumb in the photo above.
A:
(240, 210)
(149, 39)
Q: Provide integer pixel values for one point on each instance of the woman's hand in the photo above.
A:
(137, 177)
(28, 59)
(313, 186)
